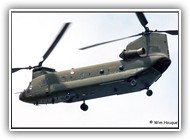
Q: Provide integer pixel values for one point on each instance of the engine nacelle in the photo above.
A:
(127, 54)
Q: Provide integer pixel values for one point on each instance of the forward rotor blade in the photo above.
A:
(171, 32)
(17, 92)
(55, 42)
(106, 42)
(142, 19)
(17, 69)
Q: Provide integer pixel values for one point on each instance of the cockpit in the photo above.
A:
(26, 93)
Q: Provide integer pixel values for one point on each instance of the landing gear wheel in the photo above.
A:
(84, 107)
(149, 93)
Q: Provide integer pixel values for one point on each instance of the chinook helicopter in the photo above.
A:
(142, 63)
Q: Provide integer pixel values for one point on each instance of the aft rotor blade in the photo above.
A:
(106, 42)
(142, 19)
(171, 32)
(55, 42)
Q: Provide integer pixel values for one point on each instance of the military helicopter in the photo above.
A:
(142, 63)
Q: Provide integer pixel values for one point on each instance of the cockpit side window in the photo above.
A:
(29, 87)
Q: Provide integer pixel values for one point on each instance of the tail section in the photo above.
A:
(152, 43)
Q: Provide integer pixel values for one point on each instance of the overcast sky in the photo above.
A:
(33, 33)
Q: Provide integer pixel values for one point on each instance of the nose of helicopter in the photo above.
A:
(25, 96)
(22, 96)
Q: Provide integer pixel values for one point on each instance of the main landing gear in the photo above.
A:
(149, 92)
(84, 106)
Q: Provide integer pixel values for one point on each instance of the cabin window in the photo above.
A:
(72, 71)
(43, 82)
(101, 71)
(121, 68)
(82, 75)
(63, 79)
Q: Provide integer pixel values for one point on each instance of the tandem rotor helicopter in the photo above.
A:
(142, 63)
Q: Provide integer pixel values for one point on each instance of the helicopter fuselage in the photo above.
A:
(143, 62)
(80, 84)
